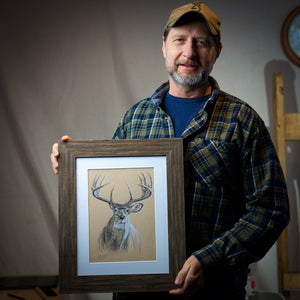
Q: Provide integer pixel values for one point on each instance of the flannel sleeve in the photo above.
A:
(266, 204)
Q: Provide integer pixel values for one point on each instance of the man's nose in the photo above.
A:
(189, 50)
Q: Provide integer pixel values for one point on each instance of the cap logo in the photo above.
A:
(196, 5)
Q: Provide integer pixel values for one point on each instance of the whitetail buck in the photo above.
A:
(119, 233)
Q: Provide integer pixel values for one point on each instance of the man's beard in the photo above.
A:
(189, 79)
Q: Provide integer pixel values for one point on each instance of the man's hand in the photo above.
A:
(190, 279)
(55, 154)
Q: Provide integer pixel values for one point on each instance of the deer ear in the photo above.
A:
(136, 207)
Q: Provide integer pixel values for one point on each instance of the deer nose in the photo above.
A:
(121, 214)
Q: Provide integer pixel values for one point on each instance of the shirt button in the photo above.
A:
(166, 118)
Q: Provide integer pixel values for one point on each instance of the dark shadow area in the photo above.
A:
(292, 151)
(289, 78)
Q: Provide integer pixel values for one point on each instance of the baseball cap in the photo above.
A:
(212, 20)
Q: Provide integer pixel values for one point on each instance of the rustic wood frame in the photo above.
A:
(69, 281)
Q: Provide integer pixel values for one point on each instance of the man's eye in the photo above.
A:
(202, 43)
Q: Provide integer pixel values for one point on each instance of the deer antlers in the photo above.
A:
(146, 188)
(96, 190)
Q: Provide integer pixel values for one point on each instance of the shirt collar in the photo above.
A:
(160, 93)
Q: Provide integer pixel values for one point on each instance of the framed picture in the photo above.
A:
(121, 215)
(290, 40)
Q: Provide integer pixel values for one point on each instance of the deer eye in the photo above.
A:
(127, 210)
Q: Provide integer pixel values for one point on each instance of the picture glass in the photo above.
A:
(122, 215)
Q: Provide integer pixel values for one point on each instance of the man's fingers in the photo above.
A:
(55, 154)
(180, 280)
(66, 138)
(182, 274)
(189, 279)
(55, 149)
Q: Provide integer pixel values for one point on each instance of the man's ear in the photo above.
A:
(219, 50)
(164, 47)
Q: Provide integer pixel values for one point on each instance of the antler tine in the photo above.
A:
(96, 189)
(146, 188)
(96, 179)
(130, 192)
(145, 180)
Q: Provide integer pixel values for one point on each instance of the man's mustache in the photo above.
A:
(191, 63)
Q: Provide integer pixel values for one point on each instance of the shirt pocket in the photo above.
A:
(213, 161)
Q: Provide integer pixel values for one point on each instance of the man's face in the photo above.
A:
(189, 53)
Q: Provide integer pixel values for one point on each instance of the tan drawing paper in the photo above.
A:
(100, 213)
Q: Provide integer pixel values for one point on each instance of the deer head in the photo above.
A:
(121, 212)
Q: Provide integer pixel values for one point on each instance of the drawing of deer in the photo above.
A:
(119, 233)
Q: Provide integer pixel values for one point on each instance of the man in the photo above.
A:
(235, 192)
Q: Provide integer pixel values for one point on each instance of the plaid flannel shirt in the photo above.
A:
(235, 191)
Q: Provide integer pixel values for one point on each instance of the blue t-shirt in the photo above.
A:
(182, 110)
